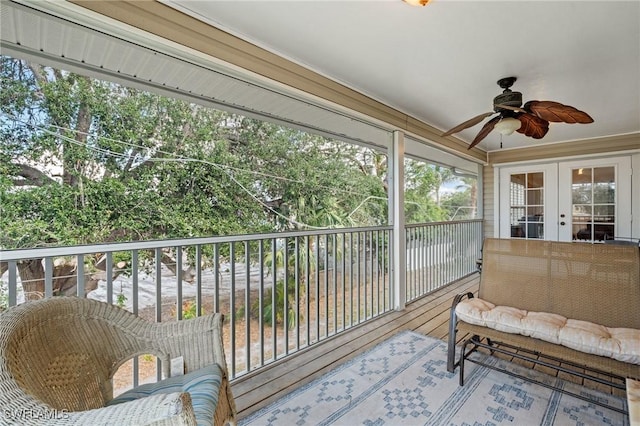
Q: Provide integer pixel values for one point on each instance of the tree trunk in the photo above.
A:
(64, 278)
(31, 274)
(187, 274)
(72, 168)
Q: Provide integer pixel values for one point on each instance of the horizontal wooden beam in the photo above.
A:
(605, 145)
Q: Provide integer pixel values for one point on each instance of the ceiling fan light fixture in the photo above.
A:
(507, 126)
(417, 2)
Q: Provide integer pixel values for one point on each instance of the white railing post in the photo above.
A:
(398, 250)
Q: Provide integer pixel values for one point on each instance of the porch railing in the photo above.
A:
(439, 253)
(325, 282)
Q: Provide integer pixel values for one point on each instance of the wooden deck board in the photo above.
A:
(428, 315)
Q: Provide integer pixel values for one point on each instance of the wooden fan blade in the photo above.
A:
(532, 126)
(486, 129)
(557, 112)
(469, 123)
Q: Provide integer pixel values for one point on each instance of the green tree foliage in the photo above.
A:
(462, 204)
(101, 162)
(422, 191)
(90, 161)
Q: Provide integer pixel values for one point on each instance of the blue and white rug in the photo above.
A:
(404, 381)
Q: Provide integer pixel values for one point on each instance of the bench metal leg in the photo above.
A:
(499, 347)
(453, 321)
(451, 347)
(463, 355)
(461, 363)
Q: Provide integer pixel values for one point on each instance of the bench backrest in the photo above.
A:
(590, 282)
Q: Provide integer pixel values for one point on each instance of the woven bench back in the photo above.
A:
(590, 282)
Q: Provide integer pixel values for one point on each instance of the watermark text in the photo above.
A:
(34, 414)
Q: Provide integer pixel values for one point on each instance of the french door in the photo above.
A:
(527, 202)
(582, 200)
(594, 201)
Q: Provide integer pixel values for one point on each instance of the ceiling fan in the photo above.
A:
(532, 119)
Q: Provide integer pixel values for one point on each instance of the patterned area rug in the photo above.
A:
(404, 381)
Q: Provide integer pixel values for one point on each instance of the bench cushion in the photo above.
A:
(622, 344)
(203, 386)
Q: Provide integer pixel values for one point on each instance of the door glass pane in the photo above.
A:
(581, 187)
(535, 180)
(534, 196)
(604, 214)
(593, 194)
(582, 213)
(526, 197)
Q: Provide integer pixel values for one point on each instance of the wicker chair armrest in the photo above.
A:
(160, 409)
(198, 341)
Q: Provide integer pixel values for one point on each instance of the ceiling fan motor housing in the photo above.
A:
(509, 98)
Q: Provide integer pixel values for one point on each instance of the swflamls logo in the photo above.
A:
(35, 413)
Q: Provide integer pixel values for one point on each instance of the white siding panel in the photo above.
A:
(488, 196)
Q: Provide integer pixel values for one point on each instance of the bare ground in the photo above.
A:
(330, 319)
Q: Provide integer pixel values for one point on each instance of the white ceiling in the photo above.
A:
(440, 63)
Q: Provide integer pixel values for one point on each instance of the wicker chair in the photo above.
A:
(58, 356)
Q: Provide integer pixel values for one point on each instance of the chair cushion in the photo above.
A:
(203, 385)
(617, 343)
